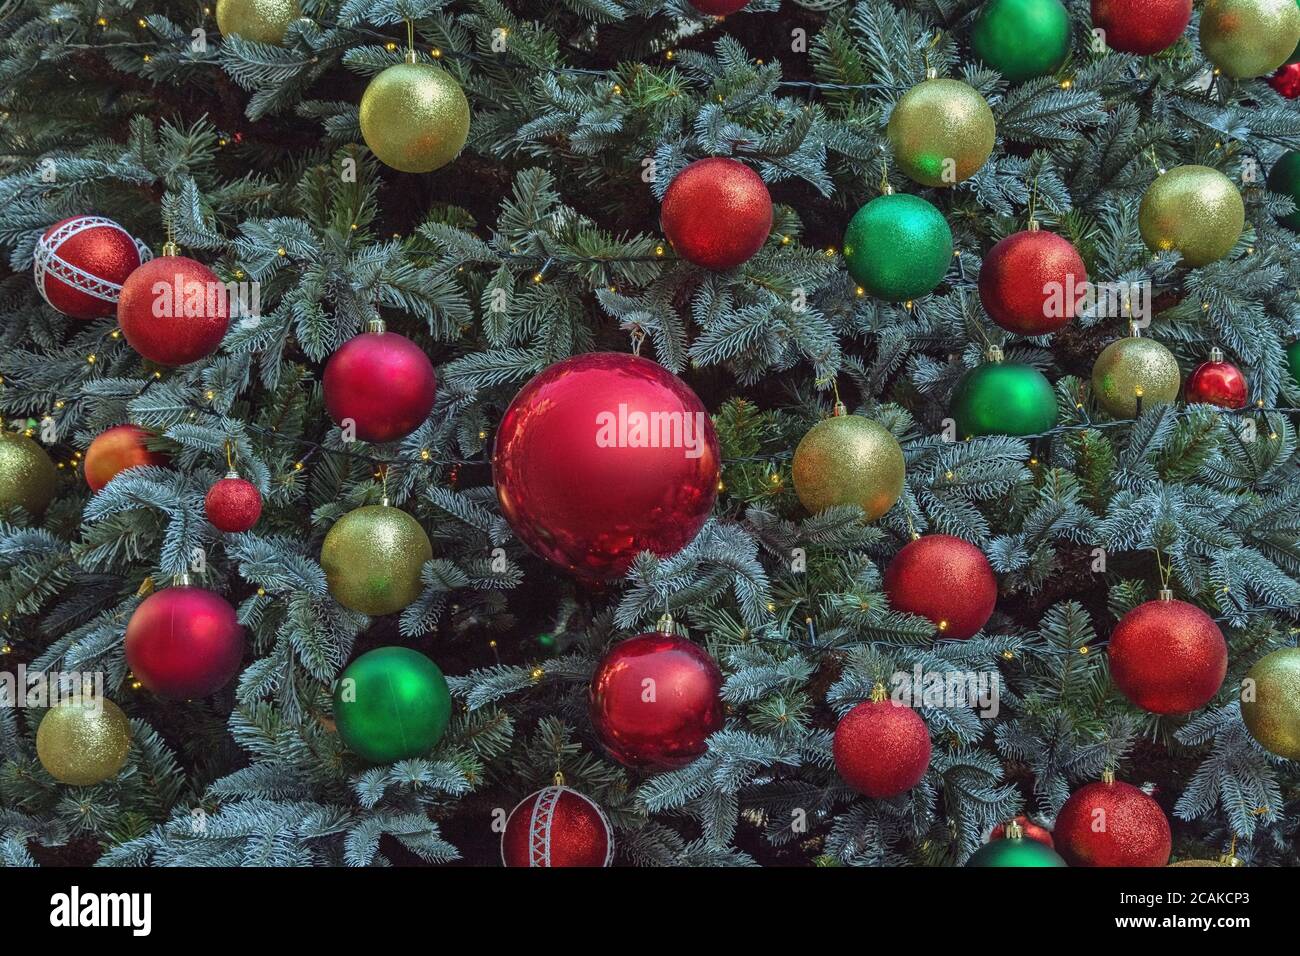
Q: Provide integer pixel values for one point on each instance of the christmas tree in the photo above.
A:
(649, 433)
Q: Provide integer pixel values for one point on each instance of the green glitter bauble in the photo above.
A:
(26, 474)
(1004, 398)
(898, 247)
(1284, 178)
(372, 559)
(1293, 360)
(391, 704)
(1015, 851)
(1022, 39)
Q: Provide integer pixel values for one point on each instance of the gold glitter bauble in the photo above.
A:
(1133, 367)
(263, 21)
(26, 474)
(1192, 210)
(1273, 714)
(942, 132)
(849, 460)
(83, 740)
(372, 559)
(1246, 38)
(414, 117)
(1222, 861)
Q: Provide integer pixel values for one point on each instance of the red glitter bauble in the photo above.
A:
(557, 826)
(719, 8)
(655, 701)
(945, 579)
(1216, 383)
(173, 310)
(1141, 26)
(233, 504)
(1168, 657)
(184, 642)
(1031, 282)
(117, 449)
(1032, 830)
(1287, 80)
(80, 264)
(381, 381)
(717, 213)
(603, 456)
(1112, 824)
(881, 748)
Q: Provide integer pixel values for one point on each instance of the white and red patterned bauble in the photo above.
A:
(80, 264)
(557, 826)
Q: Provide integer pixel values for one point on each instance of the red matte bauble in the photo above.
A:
(945, 579)
(80, 264)
(717, 213)
(383, 382)
(1031, 282)
(1112, 824)
(117, 449)
(1141, 26)
(1287, 80)
(233, 504)
(881, 748)
(184, 642)
(173, 310)
(655, 699)
(718, 8)
(1216, 383)
(603, 456)
(557, 826)
(1168, 657)
(1032, 830)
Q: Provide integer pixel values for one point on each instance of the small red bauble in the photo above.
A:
(1112, 824)
(655, 699)
(945, 579)
(1287, 80)
(184, 642)
(557, 826)
(1168, 657)
(1032, 830)
(117, 449)
(80, 264)
(717, 213)
(881, 748)
(603, 456)
(382, 382)
(1216, 382)
(233, 504)
(1031, 282)
(173, 310)
(719, 8)
(1141, 26)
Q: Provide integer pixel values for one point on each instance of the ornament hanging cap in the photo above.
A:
(376, 325)
(878, 693)
(1108, 776)
(1216, 354)
(995, 353)
(665, 624)
(1166, 594)
(1014, 831)
(558, 779)
(181, 580)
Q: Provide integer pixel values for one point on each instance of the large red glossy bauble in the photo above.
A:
(945, 579)
(1031, 282)
(117, 449)
(184, 642)
(1112, 824)
(1287, 80)
(1032, 830)
(233, 504)
(173, 310)
(655, 699)
(383, 382)
(1141, 26)
(718, 8)
(881, 748)
(557, 826)
(717, 213)
(1168, 657)
(1216, 383)
(603, 456)
(80, 264)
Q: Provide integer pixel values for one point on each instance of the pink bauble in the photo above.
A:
(383, 383)
(184, 642)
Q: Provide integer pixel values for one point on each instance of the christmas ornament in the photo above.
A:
(1270, 702)
(716, 213)
(1216, 382)
(1194, 211)
(557, 826)
(1287, 81)
(83, 740)
(184, 642)
(1022, 39)
(1226, 860)
(898, 247)
(173, 310)
(603, 456)
(881, 748)
(372, 558)
(1112, 824)
(26, 474)
(1003, 398)
(945, 579)
(233, 504)
(1167, 656)
(80, 264)
(1141, 26)
(1293, 360)
(391, 704)
(263, 21)
(116, 449)
(382, 382)
(655, 699)
(1015, 849)
(1284, 178)
(848, 460)
(1031, 282)
(942, 132)
(1032, 830)
(1246, 38)
(414, 117)
(1135, 369)
(719, 8)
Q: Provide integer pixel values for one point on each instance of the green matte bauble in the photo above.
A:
(898, 247)
(1022, 39)
(1247, 38)
(1270, 702)
(83, 740)
(414, 117)
(942, 132)
(263, 21)
(1004, 398)
(391, 704)
(1284, 178)
(27, 475)
(849, 460)
(372, 559)
(1015, 851)
(1133, 368)
(1293, 360)
(1192, 210)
